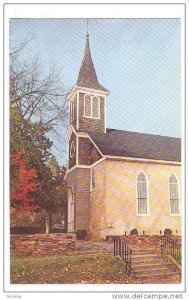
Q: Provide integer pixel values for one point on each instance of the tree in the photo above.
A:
(38, 94)
(30, 138)
(37, 111)
(56, 200)
(23, 186)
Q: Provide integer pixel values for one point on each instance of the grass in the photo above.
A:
(79, 269)
(98, 268)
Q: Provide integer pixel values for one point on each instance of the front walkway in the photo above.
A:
(94, 247)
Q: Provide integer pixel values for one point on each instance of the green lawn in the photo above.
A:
(98, 268)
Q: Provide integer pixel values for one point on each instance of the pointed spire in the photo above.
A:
(87, 75)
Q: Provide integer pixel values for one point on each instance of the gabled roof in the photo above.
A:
(87, 75)
(137, 145)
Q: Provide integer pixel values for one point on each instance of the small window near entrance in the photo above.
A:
(93, 180)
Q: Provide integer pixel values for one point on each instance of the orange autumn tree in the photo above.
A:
(23, 186)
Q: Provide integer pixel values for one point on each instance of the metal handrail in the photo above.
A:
(122, 249)
(171, 247)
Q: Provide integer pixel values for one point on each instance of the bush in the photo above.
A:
(81, 234)
(168, 231)
(57, 230)
(134, 231)
(26, 230)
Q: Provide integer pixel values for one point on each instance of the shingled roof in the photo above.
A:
(87, 75)
(137, 145)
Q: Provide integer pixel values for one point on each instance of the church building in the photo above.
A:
(117, 180)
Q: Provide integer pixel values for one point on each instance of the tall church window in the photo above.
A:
(142, 199)
(91, 107)
(173, 192)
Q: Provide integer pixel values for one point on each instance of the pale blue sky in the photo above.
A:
(137, 60)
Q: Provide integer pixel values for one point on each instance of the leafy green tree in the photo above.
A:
(56, 202)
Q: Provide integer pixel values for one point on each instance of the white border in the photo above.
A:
(85, 11)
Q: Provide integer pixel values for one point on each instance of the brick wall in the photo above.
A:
(42, 245)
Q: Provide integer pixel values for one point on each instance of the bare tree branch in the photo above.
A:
(38, 94)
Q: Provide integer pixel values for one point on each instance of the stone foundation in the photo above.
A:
(144, 240)
(42, 245)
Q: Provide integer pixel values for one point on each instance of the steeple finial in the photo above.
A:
(87, 75)
(87, 27)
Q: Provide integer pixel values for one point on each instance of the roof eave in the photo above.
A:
(89, 90)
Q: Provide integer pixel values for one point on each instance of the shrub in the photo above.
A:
(168, 231)
(57, 230)
(134, 231)
(81, 234)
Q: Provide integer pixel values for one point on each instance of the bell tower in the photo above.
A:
(87, 113)
(87, 99)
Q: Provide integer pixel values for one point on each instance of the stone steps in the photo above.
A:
(145, 257)
(149, 267)
(149, 263)
(157, 274)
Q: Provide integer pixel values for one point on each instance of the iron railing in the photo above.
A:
(121, 249)
(171, 247)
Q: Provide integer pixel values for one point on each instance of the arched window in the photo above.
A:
(142, 199)
(95, 107)
(91, 107)
(87, 106)
(173, 192)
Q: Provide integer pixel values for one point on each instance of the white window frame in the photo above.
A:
(178, 189)
(91, 115)
(147, 195)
